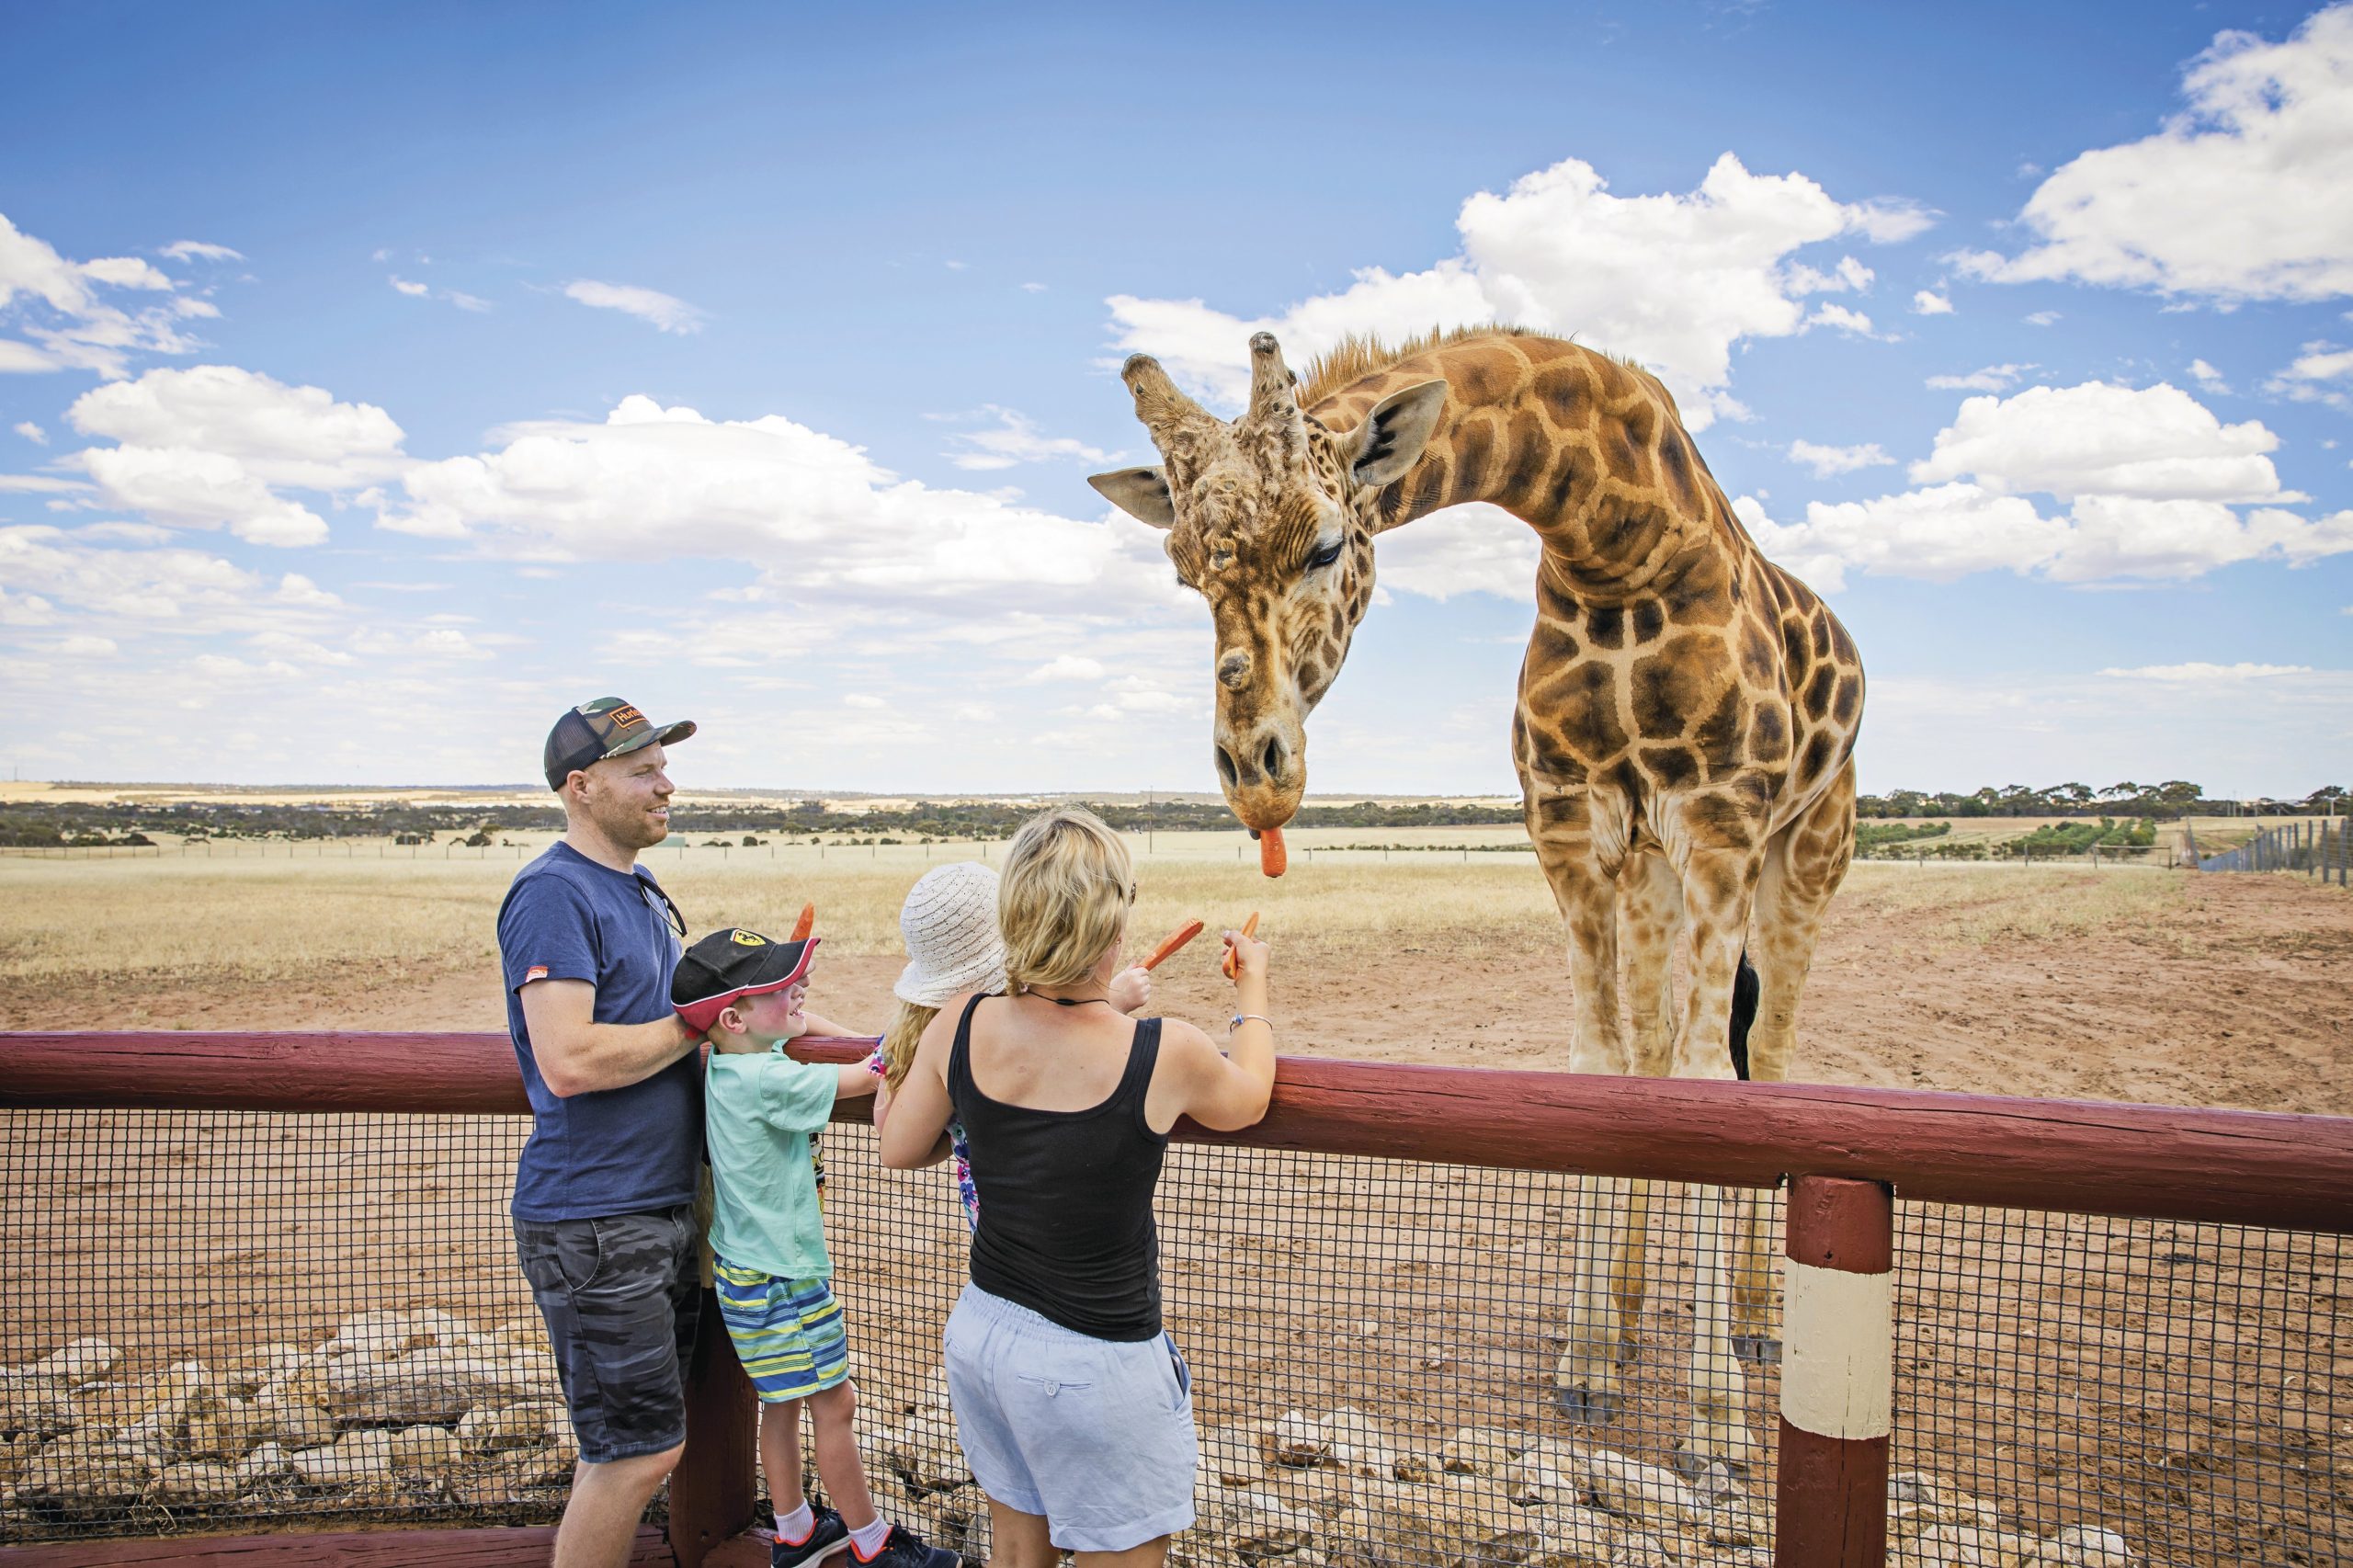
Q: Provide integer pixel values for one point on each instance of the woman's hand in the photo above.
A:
(1130, 989)
(1249, 961)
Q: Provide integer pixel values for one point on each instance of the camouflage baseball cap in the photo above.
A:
(595, 731)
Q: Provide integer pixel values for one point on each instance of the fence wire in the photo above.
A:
(1374, 1346)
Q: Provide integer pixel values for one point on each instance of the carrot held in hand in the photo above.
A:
(1272, 859)
(1249, 928)
(1182, 935)
(807, 923)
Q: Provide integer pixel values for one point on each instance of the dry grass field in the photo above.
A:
(2111, 984)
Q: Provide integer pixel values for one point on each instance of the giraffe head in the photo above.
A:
(1270, 518)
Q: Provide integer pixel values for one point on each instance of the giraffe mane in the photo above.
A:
(1360, 355)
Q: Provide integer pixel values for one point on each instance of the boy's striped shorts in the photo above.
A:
(789, 1333)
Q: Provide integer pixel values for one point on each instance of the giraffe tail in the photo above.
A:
(1744, 990)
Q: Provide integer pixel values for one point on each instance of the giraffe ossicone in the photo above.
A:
(1684, 734)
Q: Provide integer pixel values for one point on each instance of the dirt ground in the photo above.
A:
(2191, 1386)
(2239, 998)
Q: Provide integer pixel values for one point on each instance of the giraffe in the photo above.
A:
(1684, 733)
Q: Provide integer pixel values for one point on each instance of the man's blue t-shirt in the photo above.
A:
(614, 1150)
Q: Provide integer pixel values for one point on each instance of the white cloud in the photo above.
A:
(1827, 460)
(862, 699)
(1474, 548)
(83, 646)
(1928, 302)
(2156, 442)
(1842, 318)
(2320, 373)
(2239, 197)
(664, 311)
(466, 302)
(293, 588)
(1991, 378)
(185, 250)
(2042, 318)
(2202, 672)
(2206, 376)
(202, 490)
(1065, 666)
(1033, 287)
(71, 327)
(1672, 280)
(414, 291)
(32, 432)
(1016, 440)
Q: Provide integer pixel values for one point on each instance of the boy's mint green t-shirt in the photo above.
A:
(759, 1108)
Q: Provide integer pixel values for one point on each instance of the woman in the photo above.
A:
(1072, 1401)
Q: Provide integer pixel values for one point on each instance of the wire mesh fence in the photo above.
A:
(253, 1322)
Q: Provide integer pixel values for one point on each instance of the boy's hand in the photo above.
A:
(1130, 989)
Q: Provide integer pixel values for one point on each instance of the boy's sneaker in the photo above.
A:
(827, 1536)
(902, 1548)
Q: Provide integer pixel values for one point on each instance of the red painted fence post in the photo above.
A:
(1837, 1375)
(713, 1490)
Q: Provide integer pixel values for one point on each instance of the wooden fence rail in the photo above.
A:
(1835, 1145)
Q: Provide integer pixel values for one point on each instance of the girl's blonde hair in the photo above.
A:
(1063, 898)
(899, 1041)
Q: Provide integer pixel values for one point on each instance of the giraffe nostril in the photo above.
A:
(1225, 768)
(1274, 759)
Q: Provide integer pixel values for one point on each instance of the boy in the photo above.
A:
(744, 993)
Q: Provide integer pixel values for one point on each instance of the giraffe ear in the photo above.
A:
(1141, 492)
(1391, 438)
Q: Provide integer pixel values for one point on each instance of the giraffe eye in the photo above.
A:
(1326, 555)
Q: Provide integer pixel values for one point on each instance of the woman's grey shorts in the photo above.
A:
(1094, 1434)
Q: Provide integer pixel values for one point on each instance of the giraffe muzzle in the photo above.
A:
(1264, 774)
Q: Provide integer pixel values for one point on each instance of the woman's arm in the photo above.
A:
(1224, 1093)
(916, 1133)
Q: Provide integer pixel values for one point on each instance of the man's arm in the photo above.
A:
(578, 1055)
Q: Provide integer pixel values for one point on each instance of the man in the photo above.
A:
(604, 1194)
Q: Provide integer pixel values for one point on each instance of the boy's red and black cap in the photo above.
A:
(589, 734)
(727, 966)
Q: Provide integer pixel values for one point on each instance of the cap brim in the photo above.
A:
(663, 736)
(789, 965)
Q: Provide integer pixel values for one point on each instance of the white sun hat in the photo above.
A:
(953, 945)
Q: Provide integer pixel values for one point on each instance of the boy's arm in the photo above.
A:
(797, 1096)
(855, 1082)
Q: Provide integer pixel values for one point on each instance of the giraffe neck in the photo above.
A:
(1586, 451)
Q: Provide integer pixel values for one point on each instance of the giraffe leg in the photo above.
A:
(1803, 866)
(1717, 885)
(1650, 913)
(1586, 1377)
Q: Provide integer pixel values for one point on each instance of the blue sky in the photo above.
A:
(376, 380)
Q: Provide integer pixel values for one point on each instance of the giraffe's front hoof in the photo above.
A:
(1590, 1407)
(1756, 1349)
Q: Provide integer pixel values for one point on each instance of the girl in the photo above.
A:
(1072, 1401)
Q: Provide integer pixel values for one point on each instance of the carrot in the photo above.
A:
(1178, 938)
(1249, 928)
(807, 923)
(1272, 860)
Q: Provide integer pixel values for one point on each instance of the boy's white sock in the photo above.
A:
(870, 1540)
(793, 1528)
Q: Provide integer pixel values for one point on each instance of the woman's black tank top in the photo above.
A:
(1066, 1198)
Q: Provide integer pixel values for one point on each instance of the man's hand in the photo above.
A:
(578, 1055)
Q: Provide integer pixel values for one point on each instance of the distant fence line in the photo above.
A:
(2316, 848)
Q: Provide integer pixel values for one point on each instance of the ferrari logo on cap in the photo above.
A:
(748, 939)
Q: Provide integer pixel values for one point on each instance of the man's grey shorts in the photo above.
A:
(1095, 1434)
(620, 1298)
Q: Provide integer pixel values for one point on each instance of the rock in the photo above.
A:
(523, 1423)
(1969, 1546)
(1576, 1536)
(2087, 1546)
(1407, 1466)
(432, 1386)
(1358, 1444)
(268, 1463)
(427, 1450)
(82, 1473)
(1716, 1485)
(35, 1407)
(83, 1361)
(1480, 1451)
(929, 1456)
(1230, 1457)
(383, 1336)
(16, 1453)
(355, 1459)
(164, 1404)
(1259, 1526)
(227, 1428)
(1640, 1549)
(195, 1485)
(1503, 1548)
(1737, 1523)
(1647, 1492)
(1295, 1440)
(256, 1369)
(297, 1423)
(1322, 1492)
(1530, 1481)
(1477, 1503)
